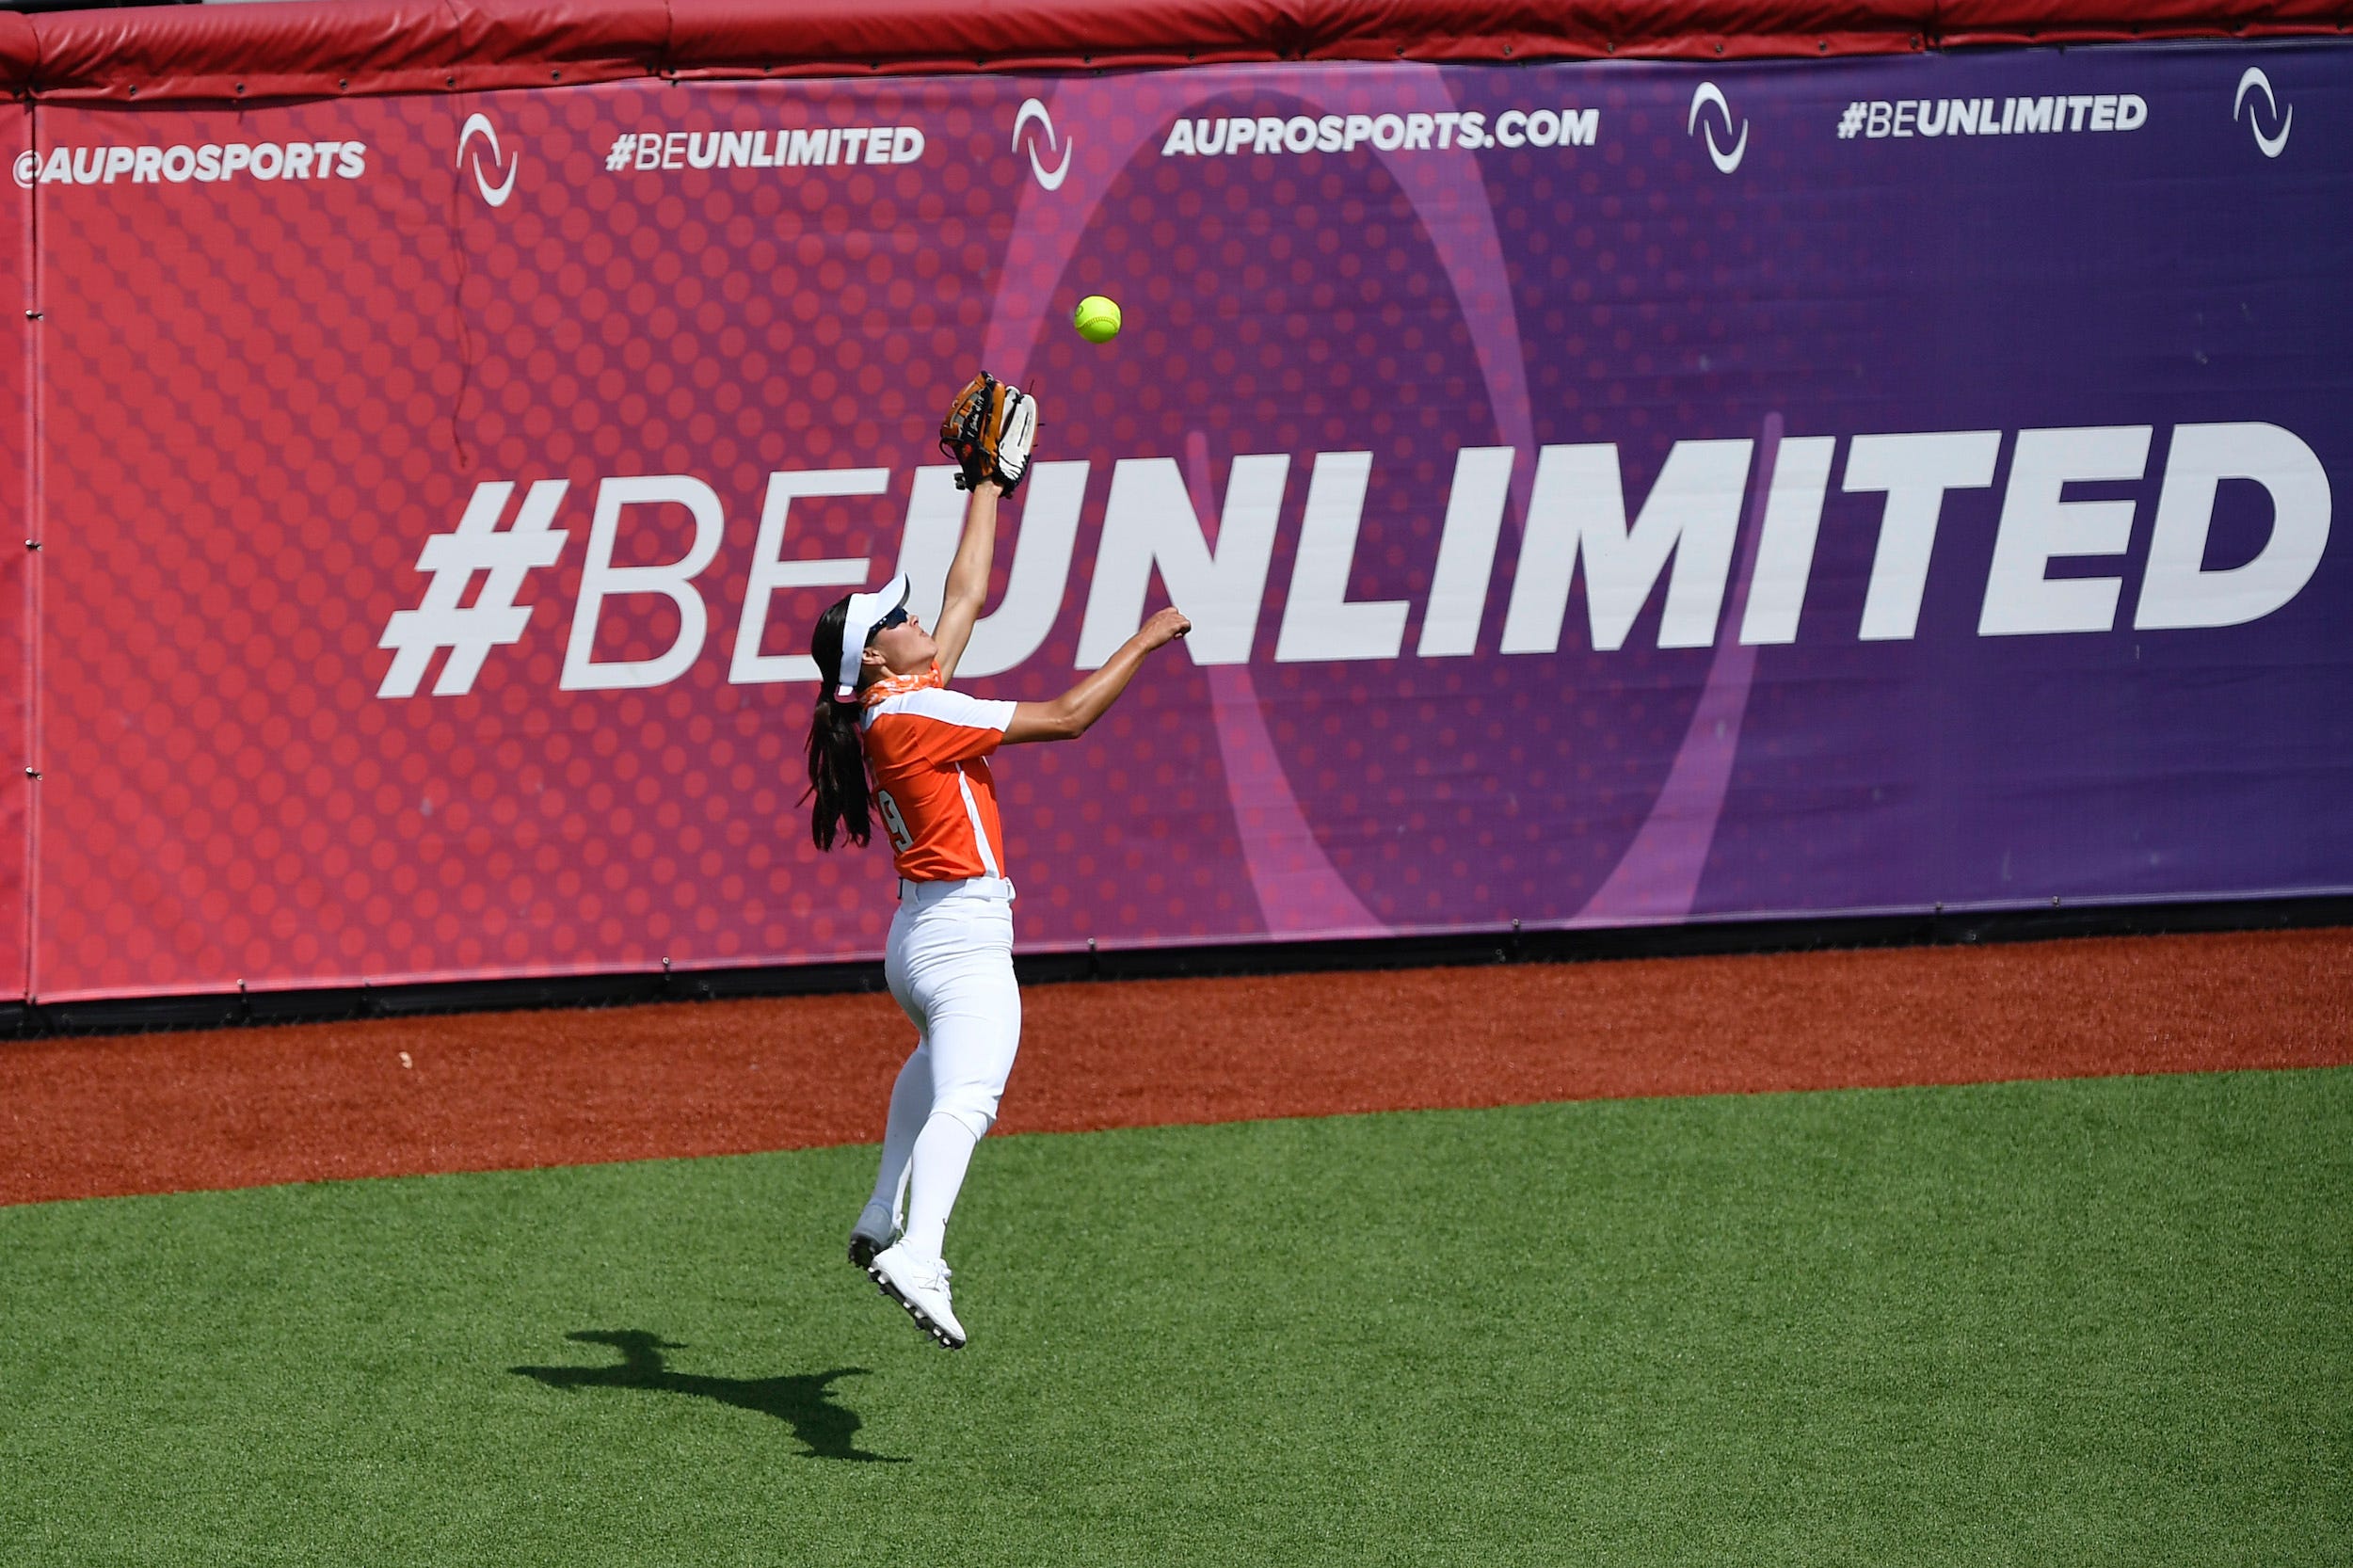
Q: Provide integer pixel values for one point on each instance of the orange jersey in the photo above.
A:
(927, 747)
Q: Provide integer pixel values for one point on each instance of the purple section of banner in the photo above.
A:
(1605, 493)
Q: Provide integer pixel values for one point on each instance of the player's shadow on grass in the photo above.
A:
(827, 1427)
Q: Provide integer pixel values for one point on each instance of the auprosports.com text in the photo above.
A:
(1388, 132)
(265, 160)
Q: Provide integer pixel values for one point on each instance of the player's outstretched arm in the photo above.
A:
(1068, 715)
(967, 577)
(990, 430)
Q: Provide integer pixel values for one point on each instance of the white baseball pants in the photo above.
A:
(949, 966)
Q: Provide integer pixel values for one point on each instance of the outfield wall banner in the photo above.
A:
(20, 586)
(1604, 493)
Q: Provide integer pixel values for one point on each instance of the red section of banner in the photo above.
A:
(386, 46)
(19, 585)
(316, 356)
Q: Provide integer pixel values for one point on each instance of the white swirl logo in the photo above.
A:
(1033, 110)
(1725, 162)
(479, 125)
(27, 168)
(2271, 146)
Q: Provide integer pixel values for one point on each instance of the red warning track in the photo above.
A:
(171, 1112)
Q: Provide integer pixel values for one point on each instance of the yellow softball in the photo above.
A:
(1096, 318)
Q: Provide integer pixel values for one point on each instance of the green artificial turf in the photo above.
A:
(2086, 1322)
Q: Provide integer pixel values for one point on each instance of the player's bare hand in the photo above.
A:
(1165, 627)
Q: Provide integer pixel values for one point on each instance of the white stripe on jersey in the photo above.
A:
(935, 702)
(980, 834)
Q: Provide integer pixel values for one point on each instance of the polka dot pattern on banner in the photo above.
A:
(317, 378)
(264, 398)
(18, 567)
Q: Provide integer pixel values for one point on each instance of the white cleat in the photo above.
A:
(876, 1228)
(921, 1286)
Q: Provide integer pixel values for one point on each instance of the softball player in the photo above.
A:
(890, 732)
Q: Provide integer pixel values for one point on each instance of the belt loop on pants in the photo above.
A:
(932, 892)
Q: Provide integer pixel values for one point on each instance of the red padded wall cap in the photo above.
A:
(375, 46)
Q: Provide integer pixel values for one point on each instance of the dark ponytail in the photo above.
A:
(836, 760)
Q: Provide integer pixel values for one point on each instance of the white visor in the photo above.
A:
(865, 611)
